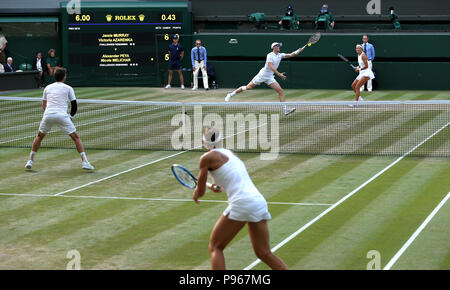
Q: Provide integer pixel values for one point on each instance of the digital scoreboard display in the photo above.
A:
(115, 43)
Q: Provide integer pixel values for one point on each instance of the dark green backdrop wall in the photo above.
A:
(419, 61)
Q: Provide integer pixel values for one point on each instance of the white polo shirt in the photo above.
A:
(58, 96)
(275, 59)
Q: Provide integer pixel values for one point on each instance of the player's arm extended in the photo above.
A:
(201, 180)
(281, 75)
(294, 53)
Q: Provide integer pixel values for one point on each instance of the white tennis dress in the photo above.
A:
(265, 75)
(364, 73)
(245, 202)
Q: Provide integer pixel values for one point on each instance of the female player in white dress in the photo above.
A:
(246, 203)
(365, 73)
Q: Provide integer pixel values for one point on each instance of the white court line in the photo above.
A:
(416, 233)
(146, 164)
(286, 240)
(120, 173)
(153, 199)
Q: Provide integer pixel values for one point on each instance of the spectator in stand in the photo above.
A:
(9, 65)
(52, 61)
(39, 65)
(325, 19)
(3, 43)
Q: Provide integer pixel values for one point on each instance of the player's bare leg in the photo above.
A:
(222, 234)
(276, 86)
(356, 85)
(34, 148)
(169, 81)
(239, 90)
(180, 74)
(259, 235)
(80, 148)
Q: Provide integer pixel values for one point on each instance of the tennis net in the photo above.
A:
(364, 128)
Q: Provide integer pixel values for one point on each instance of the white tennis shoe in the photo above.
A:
(182, 87)
(29, 164)
(228, 98)
(86, 165)
(287, 111)
(167, 87)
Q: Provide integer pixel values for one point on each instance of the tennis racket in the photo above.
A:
(312, 40)
(346, 60)
(186, 178)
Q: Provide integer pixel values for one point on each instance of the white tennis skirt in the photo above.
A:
(252, 209)
(365, 73)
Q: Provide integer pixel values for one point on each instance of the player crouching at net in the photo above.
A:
(365, 73)
(246, 203)
(265, 75)
(55, 104)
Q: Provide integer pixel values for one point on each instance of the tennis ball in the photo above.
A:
(309, 44)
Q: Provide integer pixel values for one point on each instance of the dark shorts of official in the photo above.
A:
(174, 65)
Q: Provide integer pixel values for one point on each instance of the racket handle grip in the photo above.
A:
(209, 186)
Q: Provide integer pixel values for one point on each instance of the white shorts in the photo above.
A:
(61, 119)
(248, 210)
(365, 73)
(259, 79)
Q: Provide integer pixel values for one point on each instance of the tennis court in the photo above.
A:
(332, 199)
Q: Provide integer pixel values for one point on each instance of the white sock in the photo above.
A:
(83, 156)
(32, 155)
(233, 93)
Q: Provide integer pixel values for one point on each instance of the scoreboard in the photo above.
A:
(116, 43)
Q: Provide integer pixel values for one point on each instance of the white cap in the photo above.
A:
(276, 43)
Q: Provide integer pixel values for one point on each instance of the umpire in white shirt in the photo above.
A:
(198, 58)
(369, 50)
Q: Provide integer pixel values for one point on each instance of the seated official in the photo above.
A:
(325, 19)
(53, 62)
(40, 65)
(9, 65)
(290, 20)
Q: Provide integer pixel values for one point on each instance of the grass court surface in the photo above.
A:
(328, 211)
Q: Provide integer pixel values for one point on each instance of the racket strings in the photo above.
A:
(314, 38)
(184, 176)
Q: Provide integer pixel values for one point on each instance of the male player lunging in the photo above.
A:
(265, 75)
(246, 203)
(54, 102)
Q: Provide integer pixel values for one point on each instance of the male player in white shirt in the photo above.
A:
(246, 204)
(55, 104)
(266, 75)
